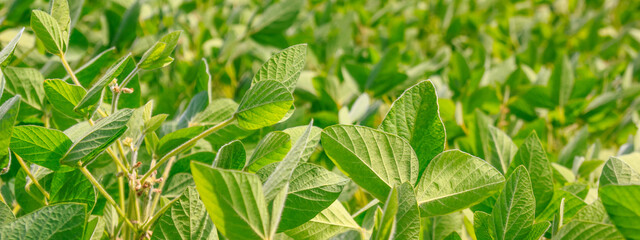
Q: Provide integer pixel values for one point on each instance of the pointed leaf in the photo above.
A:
(60, 12)
(499, 149)
(93, 94)
(158, 55)
(531, 155)
(264, 104)
(514, 212)
(455, 180)
(311, 190)
(234, 201)
(333, 220)
(272, 148)
(7, 51)
(415, 117)
(49, 32)
(98, 138)
(231, 156)
(283, 67)
(618, 172)
(312, 143)
(375, 160)
(8, 114)
(64, 97)
(187, 218)
(561, 81)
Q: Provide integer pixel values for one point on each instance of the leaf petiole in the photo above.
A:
(33, 178)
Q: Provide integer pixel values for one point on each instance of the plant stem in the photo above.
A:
(68, 68)
(157, 215)
(116, 96)
(165, 175)
(186, 145)
(33, 178)
(105, 194)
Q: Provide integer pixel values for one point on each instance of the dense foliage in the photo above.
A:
(321, 119)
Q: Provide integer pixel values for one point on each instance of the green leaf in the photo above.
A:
(514, 211)
(561, 81)
(94, 93)
(6, 215)
(158, 55)
(231, 156)
(173, 140)
(572, 204)
(91, 69)
(577, 146)
(283, 67)
(580, 230)
(455, 180)
(234, 200)
(312, 143)
(594, 212)
(531, 155)
(42, 146)
(499, 149)
(8, 114)
(26, 82)
(64, 97)
(72, 187)
(7, 51)
(331, 221)
(217, 111)
(60, 221)
(187, 218)
(384, 228)
(618, 172)
(281, 176)
(98, 138)
(623, 207)
(439, 227)
(373, 159)
(60, 12)
(538, 230)
(483, 225)
(415, 117)
(311, 190)
(264, 104)
(49, 32)
(272, 148)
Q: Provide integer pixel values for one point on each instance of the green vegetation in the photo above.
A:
(321, 119)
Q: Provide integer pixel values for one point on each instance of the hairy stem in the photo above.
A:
(105, 194)
(68, 68)
(33, 178)
(116, 95)
(186, 145)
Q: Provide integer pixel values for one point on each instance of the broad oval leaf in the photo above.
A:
(514, 211)
(60, 221)
(234, 201)
(283, 67)
(264, 104)
(231, 156)
(415, 117)
(98, 138)
(174, 139)
(187, 218)
(72, 187)
(375, 160)
(42, 146)
(455, 180)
